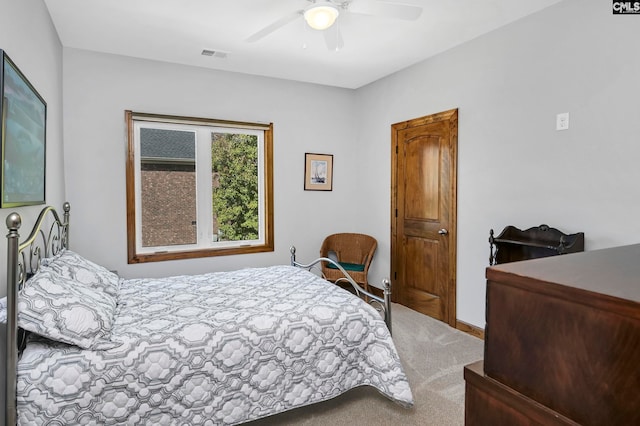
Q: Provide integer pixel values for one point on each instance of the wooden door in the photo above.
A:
(423, 209)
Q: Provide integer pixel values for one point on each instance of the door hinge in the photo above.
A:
(396, 212)
(395, 275)
(396, 149)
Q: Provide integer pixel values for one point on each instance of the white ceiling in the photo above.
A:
(374, 46)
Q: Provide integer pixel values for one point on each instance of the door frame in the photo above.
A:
(452, 116)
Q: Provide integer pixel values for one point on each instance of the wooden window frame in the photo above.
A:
(132, 255)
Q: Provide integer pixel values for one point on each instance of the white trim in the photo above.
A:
(204, 187)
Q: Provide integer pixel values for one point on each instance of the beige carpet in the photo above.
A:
(433, 355)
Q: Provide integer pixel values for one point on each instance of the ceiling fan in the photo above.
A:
(322, 15)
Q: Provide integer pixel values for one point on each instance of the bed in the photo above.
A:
(87, 347)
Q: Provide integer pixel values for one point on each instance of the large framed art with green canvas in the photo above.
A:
(23, 133)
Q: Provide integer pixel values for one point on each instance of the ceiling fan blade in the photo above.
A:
(404, 11)
(333, 38)
(274, 26)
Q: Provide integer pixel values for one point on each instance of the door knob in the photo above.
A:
(443, 232)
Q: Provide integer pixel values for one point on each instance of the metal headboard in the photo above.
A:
(382, 304)
(49, 235)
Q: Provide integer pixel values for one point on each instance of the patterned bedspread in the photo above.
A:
(219, 348)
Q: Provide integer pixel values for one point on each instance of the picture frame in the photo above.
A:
(23, 114)
(318, 172)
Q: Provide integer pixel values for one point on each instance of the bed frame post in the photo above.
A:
(387, 303)
(67, 208)
(292, 250)
(13, 223)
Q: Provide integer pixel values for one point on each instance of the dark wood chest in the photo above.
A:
(562, 342)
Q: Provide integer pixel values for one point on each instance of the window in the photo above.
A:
(197, 187)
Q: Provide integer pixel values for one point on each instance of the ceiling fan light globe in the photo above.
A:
(321, 16)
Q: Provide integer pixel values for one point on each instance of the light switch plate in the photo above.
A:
(562, 121)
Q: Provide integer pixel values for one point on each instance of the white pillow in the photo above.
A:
(64, 310)
(75, 267)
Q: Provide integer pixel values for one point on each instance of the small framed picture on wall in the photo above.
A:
(318, 172)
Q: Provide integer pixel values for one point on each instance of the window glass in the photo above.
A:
(168, 187)
(236, 195)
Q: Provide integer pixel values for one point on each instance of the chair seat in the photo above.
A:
(354, 267)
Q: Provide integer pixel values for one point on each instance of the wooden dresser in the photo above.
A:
(562, 342)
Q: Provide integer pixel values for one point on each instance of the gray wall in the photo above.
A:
(29, 38)
(514, 168)
(306, 117)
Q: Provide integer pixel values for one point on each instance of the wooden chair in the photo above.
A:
(354, 252)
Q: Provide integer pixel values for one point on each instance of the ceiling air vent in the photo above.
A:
(214, 53)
